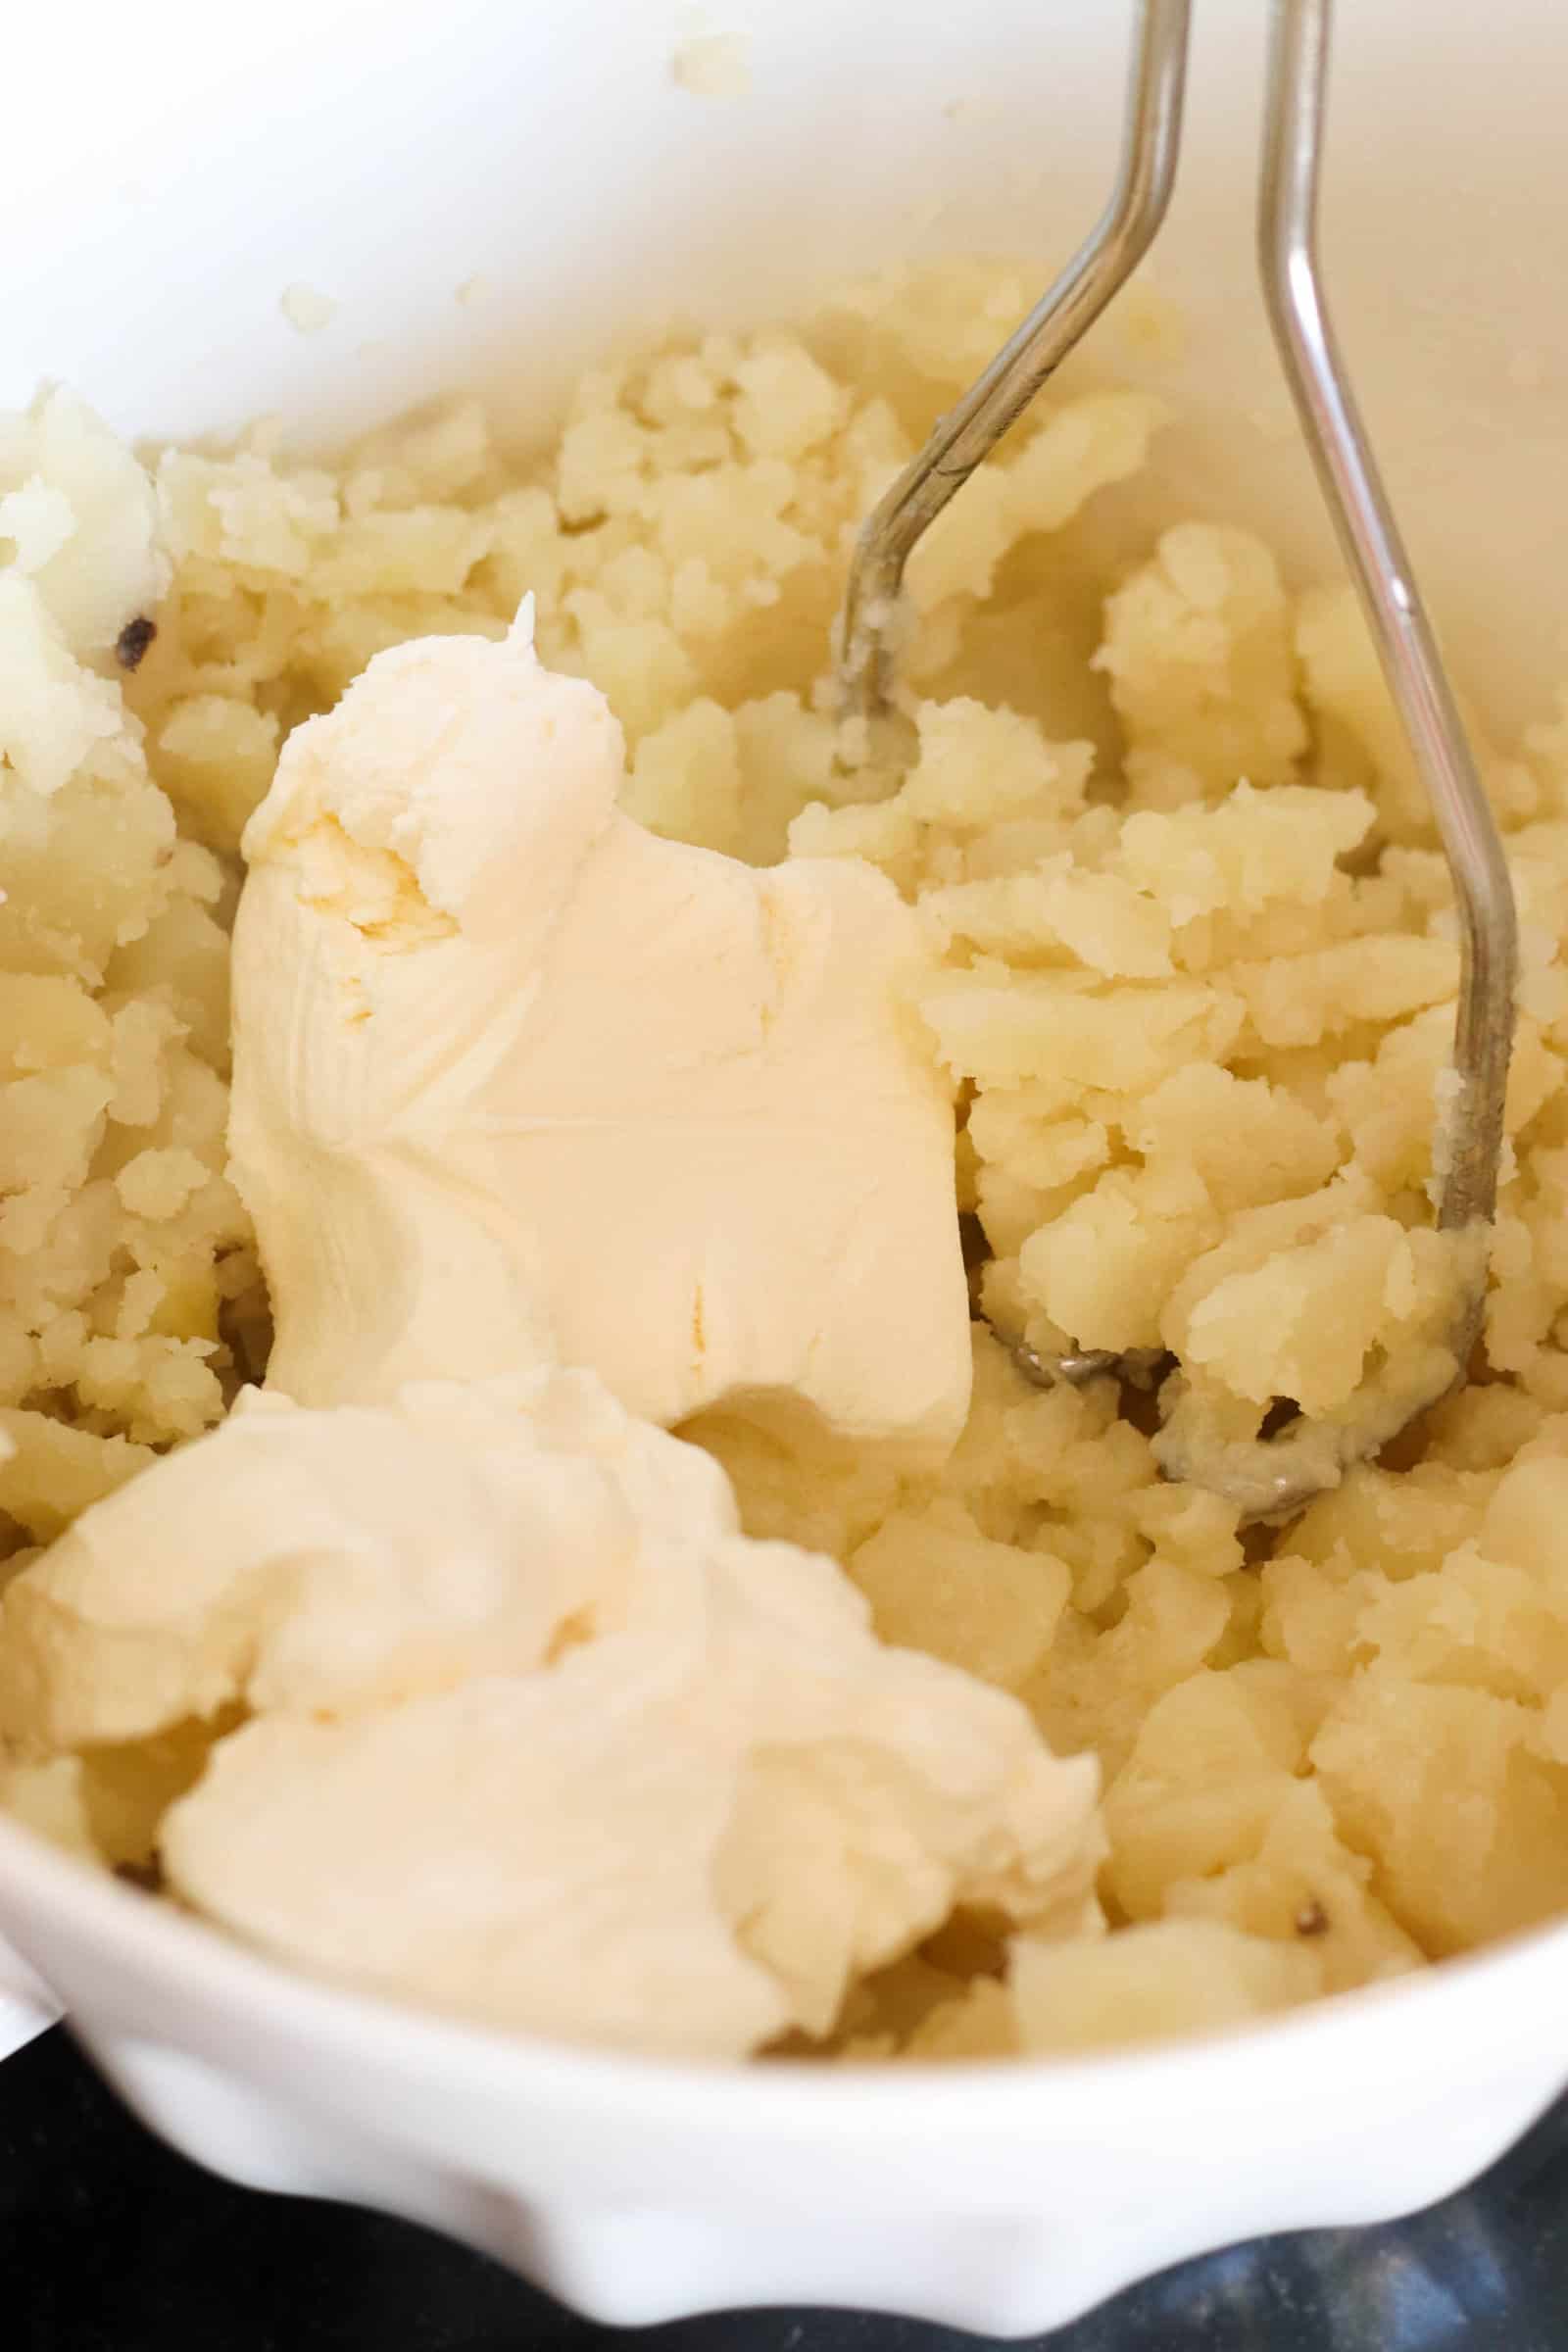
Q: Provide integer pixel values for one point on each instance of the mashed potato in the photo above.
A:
(1193, 965)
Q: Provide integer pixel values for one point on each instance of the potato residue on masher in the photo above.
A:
(1188, 967)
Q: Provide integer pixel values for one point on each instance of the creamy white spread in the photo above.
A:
(535, 1733)
(518, 1082)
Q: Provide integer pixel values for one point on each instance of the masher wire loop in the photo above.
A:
(1267, 1478)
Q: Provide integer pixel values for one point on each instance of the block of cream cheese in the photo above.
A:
(516, 1081)
(529, 1730)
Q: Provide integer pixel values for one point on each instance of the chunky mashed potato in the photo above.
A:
(1193, 965)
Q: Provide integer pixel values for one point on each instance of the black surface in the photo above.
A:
(110, 2243)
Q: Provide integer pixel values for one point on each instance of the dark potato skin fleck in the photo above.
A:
(147, 1876)
(134, 640)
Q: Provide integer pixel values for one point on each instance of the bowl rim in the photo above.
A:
(202, 1968)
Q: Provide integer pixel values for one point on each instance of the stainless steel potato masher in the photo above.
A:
(1268, 1477)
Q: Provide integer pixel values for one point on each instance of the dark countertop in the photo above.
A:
(108, 2242)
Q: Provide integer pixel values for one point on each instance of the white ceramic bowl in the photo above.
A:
(184, 165)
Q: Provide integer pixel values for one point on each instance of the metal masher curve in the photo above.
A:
(1268, 1478)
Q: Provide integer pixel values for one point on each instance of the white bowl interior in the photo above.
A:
(388, 155)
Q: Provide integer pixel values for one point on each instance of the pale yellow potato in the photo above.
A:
(936, 1582)
(1174, 1976)
(1197, 649)
(1304, 1881)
